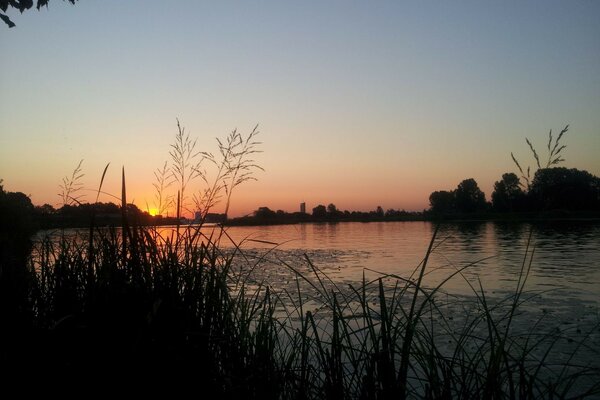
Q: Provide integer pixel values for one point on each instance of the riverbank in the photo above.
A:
(298, 218)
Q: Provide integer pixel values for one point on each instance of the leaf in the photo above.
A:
(7, 21)
(535, 155)
(24, 5)
(43, 3)
(516, 162)
(123, 190)
(101, 182)
(560, 135)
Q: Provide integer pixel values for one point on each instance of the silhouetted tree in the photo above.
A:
(507, 195)
(16, 216)
(567, 189)
(44, 215)
(468, 197)
(264, 215)
(45, 209)
(442, 202)
(379, 211)
(20, 5)
(319, 211)
(333, 213)
(16, 227)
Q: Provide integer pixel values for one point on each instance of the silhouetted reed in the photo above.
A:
(181, 302)
(190, 308)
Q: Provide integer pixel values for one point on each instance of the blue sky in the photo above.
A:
(359, 103)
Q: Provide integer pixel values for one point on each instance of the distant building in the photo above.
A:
(303, 208)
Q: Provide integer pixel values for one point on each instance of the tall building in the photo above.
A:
(303, 208)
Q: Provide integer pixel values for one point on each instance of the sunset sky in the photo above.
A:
(359, 104)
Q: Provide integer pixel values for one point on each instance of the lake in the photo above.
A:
(561, 296)
(565, 262)
(566, 255)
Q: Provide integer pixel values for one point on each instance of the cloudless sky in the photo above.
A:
(358, 103)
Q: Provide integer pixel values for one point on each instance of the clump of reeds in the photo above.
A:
(554, 155)
(180, 307)
(181, 303)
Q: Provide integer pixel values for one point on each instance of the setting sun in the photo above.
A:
(153, 212)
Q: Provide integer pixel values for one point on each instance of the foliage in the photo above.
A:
(21, 5)
(182, 309)
(566, 189)
(16, 229)
(507, 195)
(265, 215)
(319, 211)
(442, 202)
(186, 304)
(466, 198)
(16, 210)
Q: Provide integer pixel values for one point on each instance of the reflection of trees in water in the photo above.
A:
(567, 236)
(509, 233)
(468, 234)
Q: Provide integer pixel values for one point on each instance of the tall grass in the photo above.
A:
(190, 308)
(183, 304)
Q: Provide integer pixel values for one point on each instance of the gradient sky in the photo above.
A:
(358, 103)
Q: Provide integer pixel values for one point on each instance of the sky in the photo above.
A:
(360, 104)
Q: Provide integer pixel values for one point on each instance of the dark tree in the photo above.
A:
(442, 202)
(16, 227)
(468, 197)
(319, 211)
(264, 213)
(21, 5)
(16, 211)
(507, 195)
(45, 209)
(333, 213)
(565, 189)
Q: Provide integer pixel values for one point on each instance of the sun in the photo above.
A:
(153, 212)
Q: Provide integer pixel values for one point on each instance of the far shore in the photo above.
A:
(297, 218)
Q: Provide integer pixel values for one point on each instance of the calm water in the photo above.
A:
(562, 290)
(566, 255)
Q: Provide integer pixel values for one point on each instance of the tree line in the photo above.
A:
(551, 189)
(322, 213)
(20, 217)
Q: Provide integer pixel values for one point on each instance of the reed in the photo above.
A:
(186, 302)
(191, 309)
